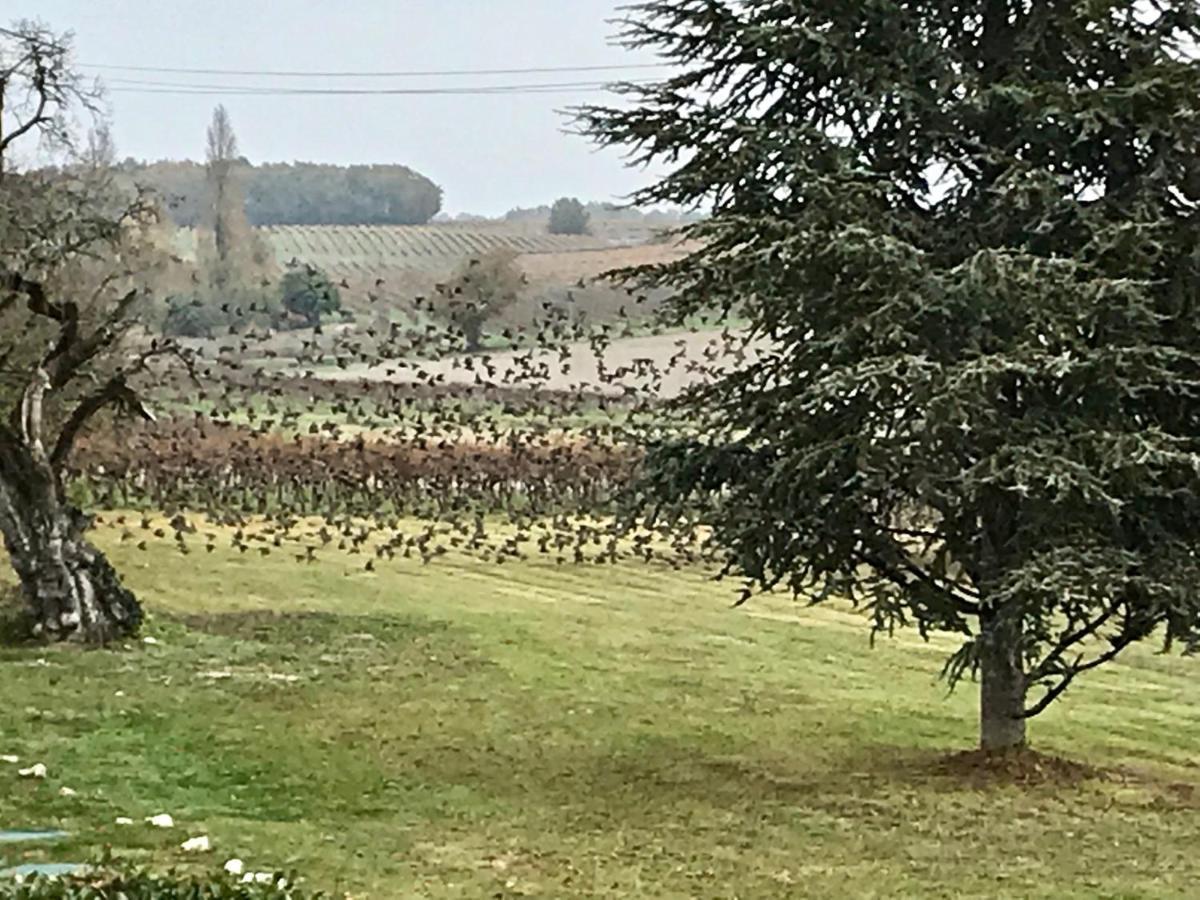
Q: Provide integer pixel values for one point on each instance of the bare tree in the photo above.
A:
(72, 255)
(101, 151)
(38, 87)
(221, 157)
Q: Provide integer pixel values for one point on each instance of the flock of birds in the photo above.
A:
(387, 439)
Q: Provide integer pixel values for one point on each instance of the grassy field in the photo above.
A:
(462, 730)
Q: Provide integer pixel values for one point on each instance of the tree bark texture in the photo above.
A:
(1002, 688)
(70, 588)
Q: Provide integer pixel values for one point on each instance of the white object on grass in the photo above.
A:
(37, 770)
(162, 820)
(235, 867)
(199, 844)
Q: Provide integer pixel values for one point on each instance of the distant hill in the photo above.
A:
(381, 269)
(298, 193)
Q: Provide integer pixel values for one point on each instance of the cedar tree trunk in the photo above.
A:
(1002, 688)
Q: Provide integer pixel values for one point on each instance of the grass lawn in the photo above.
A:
(464, 730)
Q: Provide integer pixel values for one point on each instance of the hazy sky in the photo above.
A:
(489, 153)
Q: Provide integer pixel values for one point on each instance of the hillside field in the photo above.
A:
(410, 259)
(460, 730)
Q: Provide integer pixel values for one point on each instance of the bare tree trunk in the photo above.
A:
(1002, 688)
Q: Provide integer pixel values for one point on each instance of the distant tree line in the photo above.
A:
(297, 193)
(611, 212)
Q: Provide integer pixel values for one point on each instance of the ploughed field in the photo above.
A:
(468, 729)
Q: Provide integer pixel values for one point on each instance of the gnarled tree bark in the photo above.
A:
(70, 588)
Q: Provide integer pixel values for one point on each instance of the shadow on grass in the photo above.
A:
(1032, 772)
(1019, 768)
(16, 625)
(848, 780)
(881, 768)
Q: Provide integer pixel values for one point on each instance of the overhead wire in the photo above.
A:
(131, 85)
(412, 73)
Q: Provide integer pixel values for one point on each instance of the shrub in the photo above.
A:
(308, 293)
(568, 216)
(204, 315)
(481, 289)
(192, 317)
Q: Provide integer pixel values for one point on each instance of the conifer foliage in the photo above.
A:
(966, 235)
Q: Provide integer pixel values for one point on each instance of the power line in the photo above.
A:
(182, 92)
(243, 91)
(138, 86)
(537, 70)
(276, 89)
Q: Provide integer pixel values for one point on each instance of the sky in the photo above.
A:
(489, 153)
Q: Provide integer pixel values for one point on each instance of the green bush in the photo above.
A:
(139, 884)
(569, 216)
(200, 315)
(192, 317)
(307, 292)
(481, 289)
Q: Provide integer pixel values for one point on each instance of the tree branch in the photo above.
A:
(72, 353)
(903, 569)
(1045, 668)
(14, 283)
(38, 118)
(1053, 693)
(30, 414)
(1132, 630)
(42, 64)
(116, 392)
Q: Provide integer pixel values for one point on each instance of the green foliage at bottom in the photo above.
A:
(126, 883)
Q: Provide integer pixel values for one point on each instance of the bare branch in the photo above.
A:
(43, 68)
(72, 353)
(1133, 629)
(39, 117)
(115, 392)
